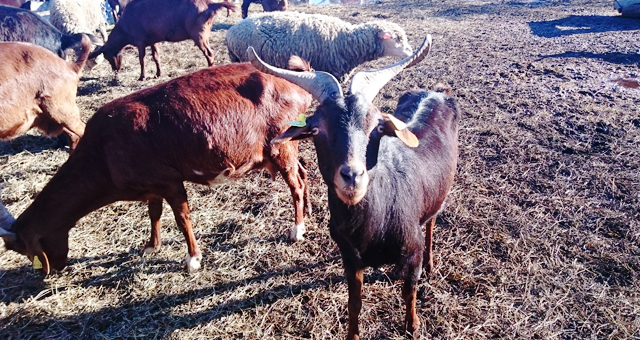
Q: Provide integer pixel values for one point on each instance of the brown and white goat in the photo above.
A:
(38, 89)
(200, 127)
(148, 22)
(381, 189)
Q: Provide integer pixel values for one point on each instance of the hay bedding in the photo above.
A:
(539, 239)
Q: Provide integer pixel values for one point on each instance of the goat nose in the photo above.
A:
(352, 173)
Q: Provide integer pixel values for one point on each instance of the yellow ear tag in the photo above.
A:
(301, 122)
(36, 263)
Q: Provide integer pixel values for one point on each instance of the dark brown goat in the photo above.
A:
(381, 191)
(38, 89)
(267, 5)
(200, 128)
(148, 22)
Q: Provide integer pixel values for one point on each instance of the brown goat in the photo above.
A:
(200, 128)
(38, 89)
(386, 175)
(12, 3)
(148, 22)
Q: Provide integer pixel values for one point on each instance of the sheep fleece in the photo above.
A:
(328, 43)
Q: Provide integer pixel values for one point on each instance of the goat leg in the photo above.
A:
(355, 278)
(156, 58)
(427, 263)
(298, 189)
(155, 212)
(141, 54)
(178, 202)
(409, 294)
(304, 180)
(203, 45)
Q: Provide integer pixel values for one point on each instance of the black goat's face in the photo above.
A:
(115, 60)
(340, 131)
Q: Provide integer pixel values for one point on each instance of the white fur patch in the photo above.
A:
(193, 263)
(297, 232)
(199, 173)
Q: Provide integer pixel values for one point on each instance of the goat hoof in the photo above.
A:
(193, 263)
(412, 327)
(148, 250)
(297, 233)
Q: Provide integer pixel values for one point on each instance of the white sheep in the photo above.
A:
(328, 43)
(78, 16)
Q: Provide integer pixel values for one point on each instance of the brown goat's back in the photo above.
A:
(197, 126)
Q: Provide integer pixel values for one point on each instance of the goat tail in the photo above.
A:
(214, 7)
(81, 60)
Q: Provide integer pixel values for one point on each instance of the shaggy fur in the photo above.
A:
(328, 43)
(406, 186)
(78, 16)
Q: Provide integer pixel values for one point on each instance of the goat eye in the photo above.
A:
(380, 129)
(315, 131)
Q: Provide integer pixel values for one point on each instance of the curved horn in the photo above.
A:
(369, 83)
(321, 85)
(6, 220)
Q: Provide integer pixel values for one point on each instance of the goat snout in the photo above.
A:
(352, 174)
(351, 182)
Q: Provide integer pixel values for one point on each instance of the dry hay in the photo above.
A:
(539, 239)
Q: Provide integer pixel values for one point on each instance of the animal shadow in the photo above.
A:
(32, 144)
(581, 24)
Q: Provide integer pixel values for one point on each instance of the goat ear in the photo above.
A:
(40, 259)
(385, 35)
(408, 138)
(401, 131)
(295, 133)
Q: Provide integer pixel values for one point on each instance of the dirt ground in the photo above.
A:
(540, 238)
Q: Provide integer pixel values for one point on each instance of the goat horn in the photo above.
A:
(6, 220)
(321, 85)
(369, 83)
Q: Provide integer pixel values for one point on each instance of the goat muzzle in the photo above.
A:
(351, 182)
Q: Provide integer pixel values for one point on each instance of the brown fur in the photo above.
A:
(148, 22)
(144, 146)
(38, 89)
(12, 3)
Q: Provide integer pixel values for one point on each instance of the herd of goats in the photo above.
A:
(387, 175)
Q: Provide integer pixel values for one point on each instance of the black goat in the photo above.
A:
(380, 191)
(23, 25)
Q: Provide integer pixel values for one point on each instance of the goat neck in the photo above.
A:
(42, 229)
